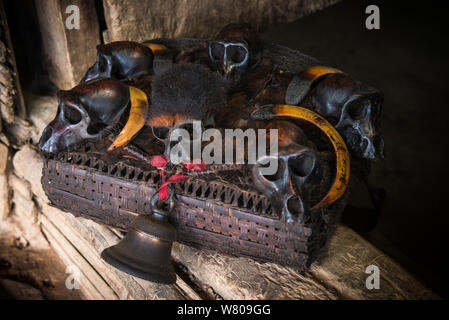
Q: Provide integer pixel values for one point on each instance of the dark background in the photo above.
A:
(407, 59)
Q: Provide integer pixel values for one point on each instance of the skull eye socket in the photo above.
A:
(276, 176)
(72, 115)
(295, 206)
(357, 110)
(236, 53)
(217, 51)
(302, 165)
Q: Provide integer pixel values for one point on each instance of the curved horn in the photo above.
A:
(156, 47)
(341, 180)
(301, 83)
(136, 119)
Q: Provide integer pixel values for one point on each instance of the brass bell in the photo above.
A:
(145, 251)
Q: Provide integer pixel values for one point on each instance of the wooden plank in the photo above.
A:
(92, 285)
(9, 62)
(243, 278)
(4, 186)
(69, 52)
(345, 264)
(145, 20)
(85, 248)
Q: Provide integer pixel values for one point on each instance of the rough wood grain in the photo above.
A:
(6, 82)
(345, 264)
(69, 52)
(4, 197)
(92, 286)
(140, 20)
(11, 98)
(4, 187)
(242, 278)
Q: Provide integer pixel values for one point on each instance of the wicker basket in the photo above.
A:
(210, 214)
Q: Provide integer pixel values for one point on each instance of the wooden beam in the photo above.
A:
(11, 96)
(145, 20)
(69, 52)
(92, 285)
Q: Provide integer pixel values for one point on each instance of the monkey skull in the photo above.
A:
(355, 112)
(231, 57)
(358, 122)
(83, 112)
(289, 189)
(121, 60)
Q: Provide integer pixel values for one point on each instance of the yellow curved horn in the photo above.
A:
(156, 47)
(318, 71)
(343, 165)
(136, 119)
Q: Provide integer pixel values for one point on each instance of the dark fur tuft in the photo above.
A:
(191, 90)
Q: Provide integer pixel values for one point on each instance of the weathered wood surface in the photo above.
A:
(11, 100)
(68, 52)
(339, 275)
(4, 189)
(139, 20)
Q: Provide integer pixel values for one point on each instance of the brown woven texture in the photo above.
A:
(214, 214)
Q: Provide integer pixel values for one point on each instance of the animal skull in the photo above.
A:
(359, 118)
(234, 49)
(83, 112)
(121, 60)
(354, 111)
(232, 57)
(289, 189)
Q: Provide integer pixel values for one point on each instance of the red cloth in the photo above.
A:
(158, 161)
(161, 161)
(163, 189)
(195, 166)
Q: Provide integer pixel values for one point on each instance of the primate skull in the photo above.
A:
(233, 50)
(359, 118)
(289, 189)
(83, 112)
(355, 111)
(232, 57)
(121, 60)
